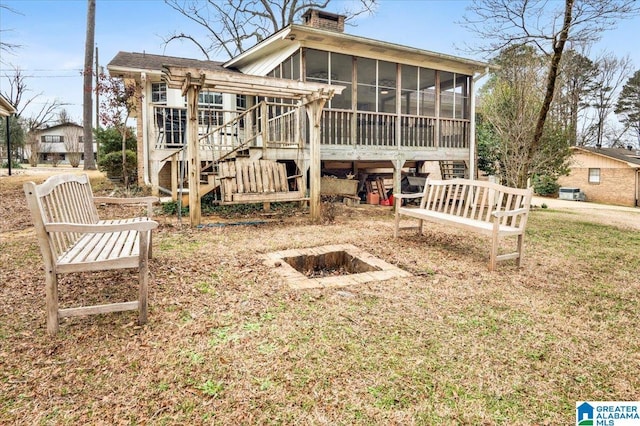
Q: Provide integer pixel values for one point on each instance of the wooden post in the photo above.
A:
(314, 112)
(193, 154)
(472, 132)
(397, 176)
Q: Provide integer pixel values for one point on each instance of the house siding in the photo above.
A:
(617, 181)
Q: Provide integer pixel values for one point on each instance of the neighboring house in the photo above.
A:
(59, 143)
(6, 109)
(605, 175)
(399, 106)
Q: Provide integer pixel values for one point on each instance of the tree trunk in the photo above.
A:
(87, 105)
(556, 56)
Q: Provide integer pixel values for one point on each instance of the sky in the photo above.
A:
(52, 36)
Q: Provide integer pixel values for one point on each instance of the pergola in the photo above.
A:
(310, 95)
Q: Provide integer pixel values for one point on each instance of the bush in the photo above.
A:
(14, 165)
(111, 163)
(545, 185)
(110, 140)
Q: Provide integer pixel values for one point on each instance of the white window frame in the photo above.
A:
(594, 175)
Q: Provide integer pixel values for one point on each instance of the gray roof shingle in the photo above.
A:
(147, 61)
(628, 155)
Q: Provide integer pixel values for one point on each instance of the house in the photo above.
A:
(386, 106)
(6, 110)
(58, 144)
(605, 175)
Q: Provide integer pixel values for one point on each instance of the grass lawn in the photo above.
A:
(228, 342)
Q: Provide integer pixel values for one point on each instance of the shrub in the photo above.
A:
(110, 140)
(111, 163)
(545, 185)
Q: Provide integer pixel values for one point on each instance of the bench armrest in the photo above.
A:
(515, 212)
(407, 196)
(99, 228)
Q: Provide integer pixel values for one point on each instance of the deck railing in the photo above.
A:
(371, 129)
(279, 125)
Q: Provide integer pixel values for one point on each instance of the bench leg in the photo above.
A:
(52, 302)
(420, 223)
(520, 249)
(143, 277)
(493, 257)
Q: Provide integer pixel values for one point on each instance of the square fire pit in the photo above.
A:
(330, 266)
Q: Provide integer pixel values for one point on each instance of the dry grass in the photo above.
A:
(229, 343)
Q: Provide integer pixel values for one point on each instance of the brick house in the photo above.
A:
(605, 175)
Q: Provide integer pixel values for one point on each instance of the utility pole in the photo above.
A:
(97, 103)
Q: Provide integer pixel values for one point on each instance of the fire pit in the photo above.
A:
(331, 266)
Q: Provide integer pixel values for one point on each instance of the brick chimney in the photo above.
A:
(323, 20)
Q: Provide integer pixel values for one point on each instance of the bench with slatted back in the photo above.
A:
(72, 238)
(245, 181)
(484, 207)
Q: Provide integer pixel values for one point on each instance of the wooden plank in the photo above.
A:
(234, 182)
(265, 176)
(259, 186)
(239, 180)
(269, 197)
(98, 309)
(284, 183)
(252, 177)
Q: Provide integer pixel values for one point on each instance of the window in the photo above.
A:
(594, 175)
(210, 99)
(241, 102)
(210, 109)
(159, 93)
(52, 139)
(409, 89)
(341, 74)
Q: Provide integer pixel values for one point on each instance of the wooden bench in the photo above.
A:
(244, 181)
(487, 208)
(73, 239)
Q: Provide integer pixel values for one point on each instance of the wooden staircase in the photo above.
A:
(452, 169)
(241, 142)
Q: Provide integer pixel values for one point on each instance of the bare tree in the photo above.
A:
(73, 146)
(6, 47)
(118, 100)
(64, 117)
(33, 148)
(18, 95)
(548, 26)
(234, 25)
(611, 72)
(87, 103)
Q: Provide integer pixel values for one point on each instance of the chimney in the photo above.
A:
(323, 20)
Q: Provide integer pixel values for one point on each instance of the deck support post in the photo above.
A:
(314, 112)
(155, 180)
(398, 164)
(191, 88)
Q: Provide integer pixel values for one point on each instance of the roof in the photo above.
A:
(6, 109)
(629, 156)
(127, 62)
(295, 36)
(58, 126)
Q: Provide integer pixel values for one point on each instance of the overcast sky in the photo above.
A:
(52, 34)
